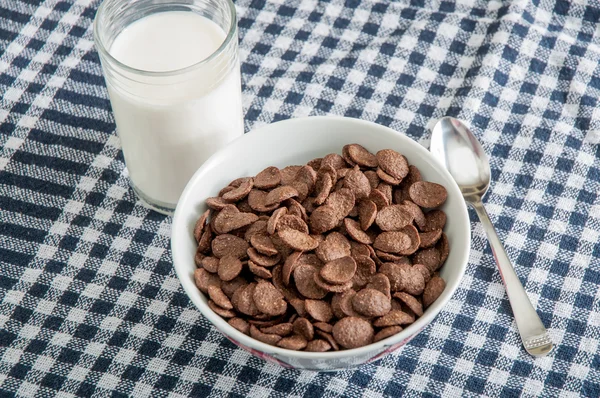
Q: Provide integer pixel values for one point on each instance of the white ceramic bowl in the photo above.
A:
(296, 141)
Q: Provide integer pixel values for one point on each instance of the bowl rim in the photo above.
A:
(179, 231)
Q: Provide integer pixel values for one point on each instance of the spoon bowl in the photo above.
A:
(463, 156)
(453, 144)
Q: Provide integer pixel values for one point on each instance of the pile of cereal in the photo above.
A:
(340, 253)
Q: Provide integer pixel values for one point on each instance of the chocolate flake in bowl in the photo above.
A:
(336, 254)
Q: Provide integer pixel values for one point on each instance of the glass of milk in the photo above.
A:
(173, 77)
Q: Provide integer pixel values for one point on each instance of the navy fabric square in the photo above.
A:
(68, 355)
(34, 347)
(133, 373)
(150, 348)
(53, 323)
(19, 371)
(38, 290)
(86, 332)
(200, 390)
(86, 389)
(69, 298)
(166, 382)
(53, 381)
(118, 339)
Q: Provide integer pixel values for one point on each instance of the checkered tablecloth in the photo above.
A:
(90, 304)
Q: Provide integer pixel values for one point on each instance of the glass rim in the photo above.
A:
(106, 54)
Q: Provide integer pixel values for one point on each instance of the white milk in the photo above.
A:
(169, 126)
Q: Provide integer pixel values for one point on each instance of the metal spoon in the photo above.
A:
(458, 149)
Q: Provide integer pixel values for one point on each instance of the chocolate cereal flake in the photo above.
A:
(393, 242)
(229, 245)
(220, 299)
(333, 247)
(334, 160)
(222, 312)
(281, 329)
(211, 264)
(361, 156)
(323, 219)
(372, 177)
(433, 290)
(443, 246)
(240, 192)
(435, 219)
(315, 163)
(339, 271)
(268, 299)
(353, 332)
(288, 267)
(367, 213)
(379, 199)
(293, 343)
(326, 327)
(289, 221)
(424, 270)
(259, 227)
(385, 177)
(217, 203)
(393, 218)
(392, 163)
(243, 300)
(429, 239)
(296, 209)
(319, 310)
(428, 257)
(205, 279)
(416, 212)
(358, 183)
(331, 287)
(230, 287)
(204, 243)
(263, 244)
(298, 240)
(268, 178)
(346, 156)
(428, 194)
(230, 218)
(259, 271)
(304, 328)
(365, 268)
(280, 194)
(240, 325)
(354, 230)
(342, 202)
(393, 318)
(386, 332)
(323, 187)
(257, 200)
(261, 259)
(327, 336)
(411, 302)
(200, 224)
(305, 282)
(268, 338)
(381, 282)
(288, 174)
(371, 302)
(318, 345)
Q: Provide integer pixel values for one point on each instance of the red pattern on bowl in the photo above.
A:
(260, 354)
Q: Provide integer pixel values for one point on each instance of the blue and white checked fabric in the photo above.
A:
(90, 304)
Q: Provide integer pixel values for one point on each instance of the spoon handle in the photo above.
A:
(532, 330)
